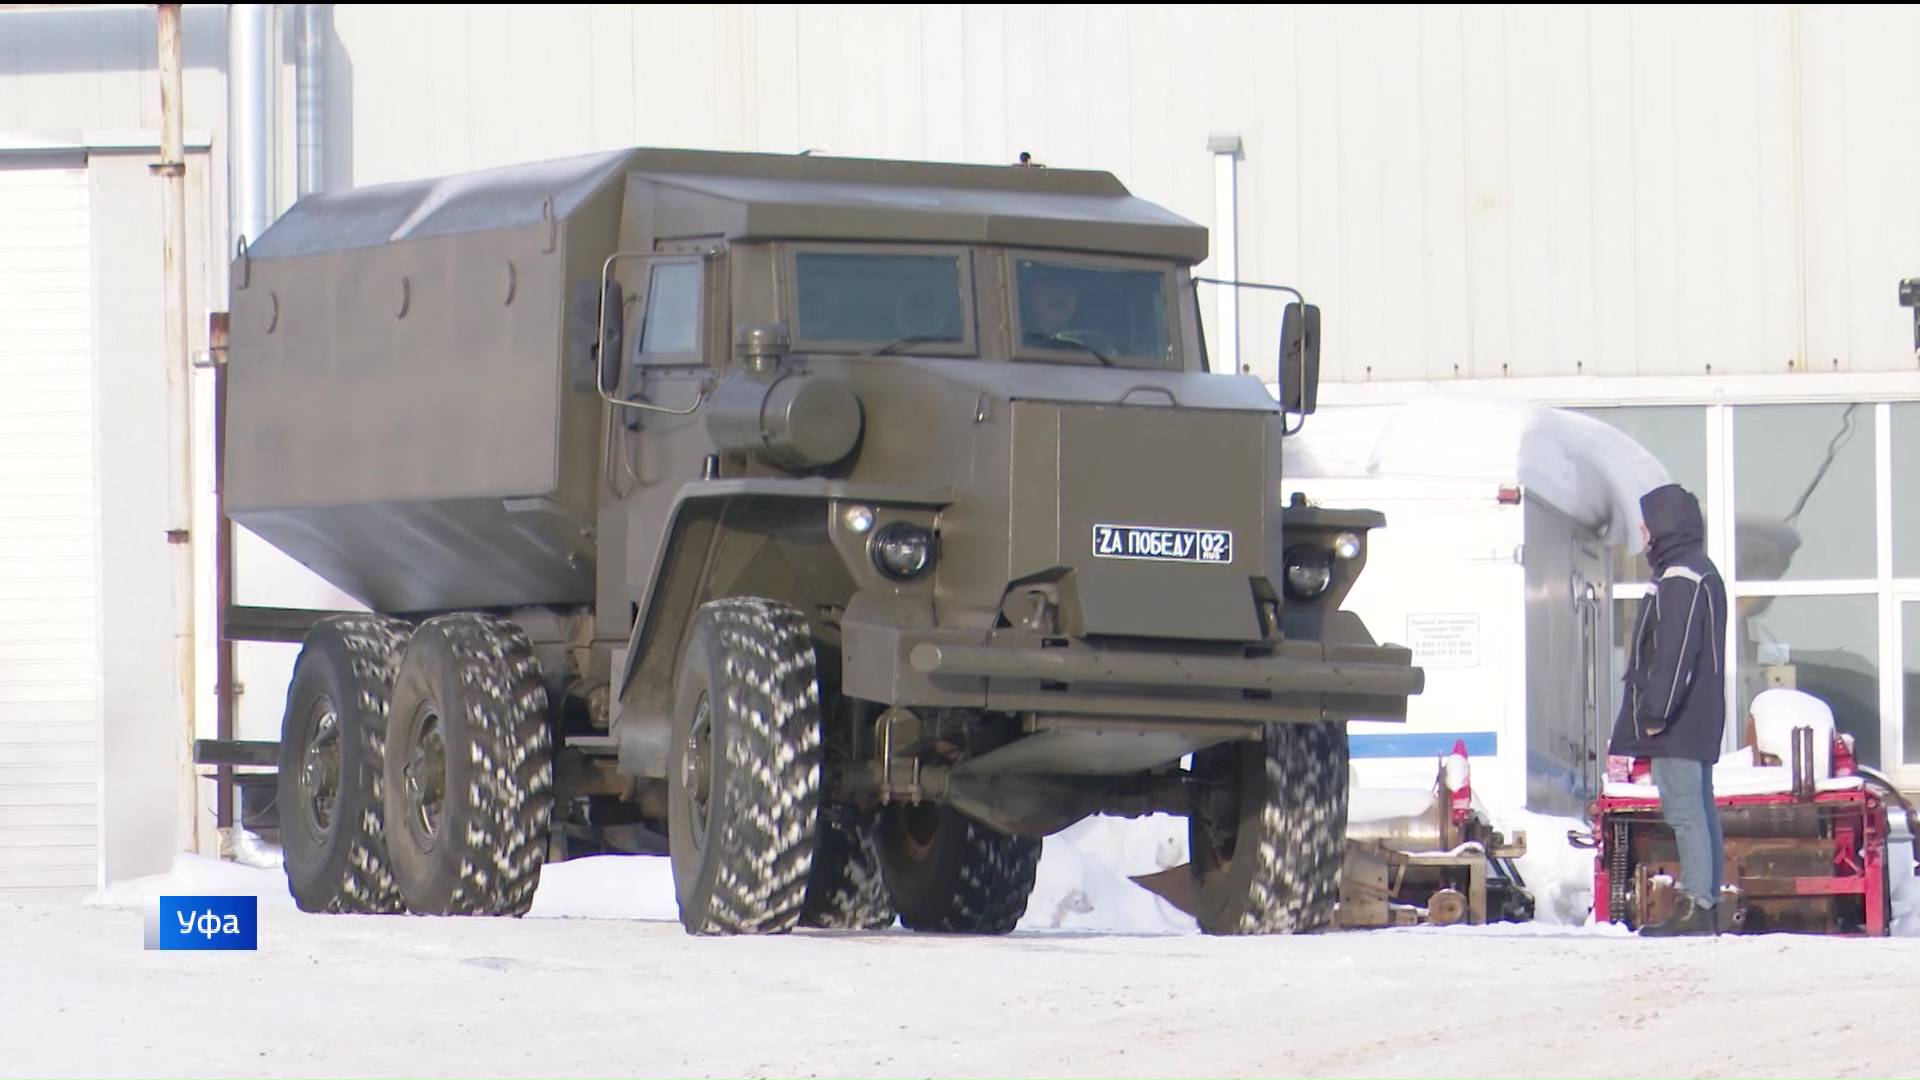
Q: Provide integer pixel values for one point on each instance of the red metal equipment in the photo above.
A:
(1811, 859)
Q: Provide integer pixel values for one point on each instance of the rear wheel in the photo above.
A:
(743, 770)
(846, 890)
(469, 769)
(948, 873)
(329, 784)
(1268, 832)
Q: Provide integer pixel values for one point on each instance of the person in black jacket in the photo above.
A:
(1673, 708)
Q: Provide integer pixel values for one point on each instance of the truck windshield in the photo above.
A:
(858, 299)
(1118, 316)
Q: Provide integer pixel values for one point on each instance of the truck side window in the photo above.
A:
(671, 333)
(858, 299)
(1117, 314)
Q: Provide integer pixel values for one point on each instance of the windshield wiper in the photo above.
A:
(910, 339)
(1067, 339)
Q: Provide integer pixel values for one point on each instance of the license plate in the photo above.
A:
(1163, 544)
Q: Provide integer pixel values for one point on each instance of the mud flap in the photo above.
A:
(1175, 886)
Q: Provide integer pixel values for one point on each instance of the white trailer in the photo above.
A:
(1503, 599)
(1496, 568)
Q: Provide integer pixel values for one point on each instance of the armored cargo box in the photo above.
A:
(400, 384)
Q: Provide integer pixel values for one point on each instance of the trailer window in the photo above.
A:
(858, 300)
(1117, 316)
(671, 333)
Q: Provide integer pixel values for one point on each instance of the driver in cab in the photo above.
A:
(1047, 308)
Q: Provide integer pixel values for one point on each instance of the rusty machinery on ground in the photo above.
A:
(1812, 858)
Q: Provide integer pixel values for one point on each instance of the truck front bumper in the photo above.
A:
(1018, 672)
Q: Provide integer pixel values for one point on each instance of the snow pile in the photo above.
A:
(1582, 465)
(197, 875)
(1083, 882)
(1776, 715)
(1733, 777)
(1559, 875)
(607, 887)
(247, 849)
(1084, 870)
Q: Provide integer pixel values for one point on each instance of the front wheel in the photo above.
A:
(743, 771)
(1268, 832)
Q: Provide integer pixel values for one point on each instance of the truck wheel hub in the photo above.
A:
(320, 765)
(426, 774)
(696, 767)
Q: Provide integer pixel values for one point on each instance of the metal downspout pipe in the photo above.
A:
(1225, 149)
(309, 97)
(249, 121)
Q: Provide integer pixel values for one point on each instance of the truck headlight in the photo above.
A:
(902, 550)
(1309, 572)
(1346, 546)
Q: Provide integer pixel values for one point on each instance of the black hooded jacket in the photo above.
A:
(1674, 701)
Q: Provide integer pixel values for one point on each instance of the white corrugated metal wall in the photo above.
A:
(1470, 192)
(49, 538)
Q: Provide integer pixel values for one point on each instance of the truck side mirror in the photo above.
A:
(611, 355)
(1300, 358)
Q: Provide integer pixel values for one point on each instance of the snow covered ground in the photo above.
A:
(600, 981)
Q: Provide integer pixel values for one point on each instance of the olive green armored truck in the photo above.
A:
(839, 527)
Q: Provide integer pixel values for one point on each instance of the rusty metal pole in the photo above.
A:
(172, 171)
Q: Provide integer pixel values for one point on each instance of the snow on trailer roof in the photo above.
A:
(1581, 466)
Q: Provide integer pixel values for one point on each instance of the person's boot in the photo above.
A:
(1689, 919)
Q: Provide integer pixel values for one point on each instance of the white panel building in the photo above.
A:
(1694, 219)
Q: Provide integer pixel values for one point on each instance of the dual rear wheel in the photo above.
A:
(416, 771)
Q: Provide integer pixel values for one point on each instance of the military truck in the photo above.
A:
(842, 527)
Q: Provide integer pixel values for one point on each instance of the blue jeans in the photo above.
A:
(1686, 802)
